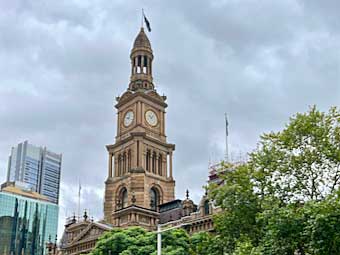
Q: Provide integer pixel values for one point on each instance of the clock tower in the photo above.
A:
(140, 161)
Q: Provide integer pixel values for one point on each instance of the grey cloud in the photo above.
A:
(62, 64)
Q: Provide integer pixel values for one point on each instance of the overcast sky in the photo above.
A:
(62, 63)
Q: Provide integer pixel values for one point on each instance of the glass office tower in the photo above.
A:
(27, 221)
(37, 167)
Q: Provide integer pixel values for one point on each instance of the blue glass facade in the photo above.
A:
(26, 224)
(37, 167)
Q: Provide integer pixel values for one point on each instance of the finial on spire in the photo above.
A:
(85, 215)
(187, 194)
(74, 220)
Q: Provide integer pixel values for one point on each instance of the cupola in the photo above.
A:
(141, 63)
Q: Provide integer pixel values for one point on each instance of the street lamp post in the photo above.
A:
(159, 240)
(160, 231)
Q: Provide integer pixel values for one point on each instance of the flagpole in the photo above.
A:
(142, 24)
(226, 139)
(79, 200)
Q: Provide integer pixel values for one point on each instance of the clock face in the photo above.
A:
(128, 118)
(151, 118)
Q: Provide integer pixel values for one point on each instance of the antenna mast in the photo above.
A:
(226, 139)
(79, 191)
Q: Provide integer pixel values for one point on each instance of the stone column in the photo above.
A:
(165, 168)
(150, 67)
(136, 64)
(170, 164)
(110, 165)
(141, 154)
(143, 160)
(125, 162)
(156, 163)
(118, 123)
(115, 167)
(163, 126)
(138, 110)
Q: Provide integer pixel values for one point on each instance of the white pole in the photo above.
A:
(159, 240)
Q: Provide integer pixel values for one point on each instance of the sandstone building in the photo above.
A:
(140, 188)
(140, 161)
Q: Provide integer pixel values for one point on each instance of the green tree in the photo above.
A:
(283, 200)
(283, 230)
(301, 162)
(204, 243)
(137, 241)
(323, 226)
(240, 206)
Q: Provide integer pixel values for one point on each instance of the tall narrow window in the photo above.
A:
(206, 207)
(154, 162)
(119, 164)
(160, 162)
(139, 64)
(145, 64)
(147, 160)
(124, 163)
(129, 160)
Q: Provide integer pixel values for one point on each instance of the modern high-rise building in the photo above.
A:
(37, 167)
(28, 220)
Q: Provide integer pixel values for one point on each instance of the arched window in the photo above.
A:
(124, 198)
(206, 207)
(154, 199)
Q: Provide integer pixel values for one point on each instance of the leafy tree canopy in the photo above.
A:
(137, 241)
(284, 200)
(302, 161)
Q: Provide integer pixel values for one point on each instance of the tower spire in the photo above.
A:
(141, 63)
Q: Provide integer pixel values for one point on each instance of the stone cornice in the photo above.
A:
(142, 94)
(139, 134)
(138, 209)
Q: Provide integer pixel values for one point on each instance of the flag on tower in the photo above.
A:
(147, 23)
